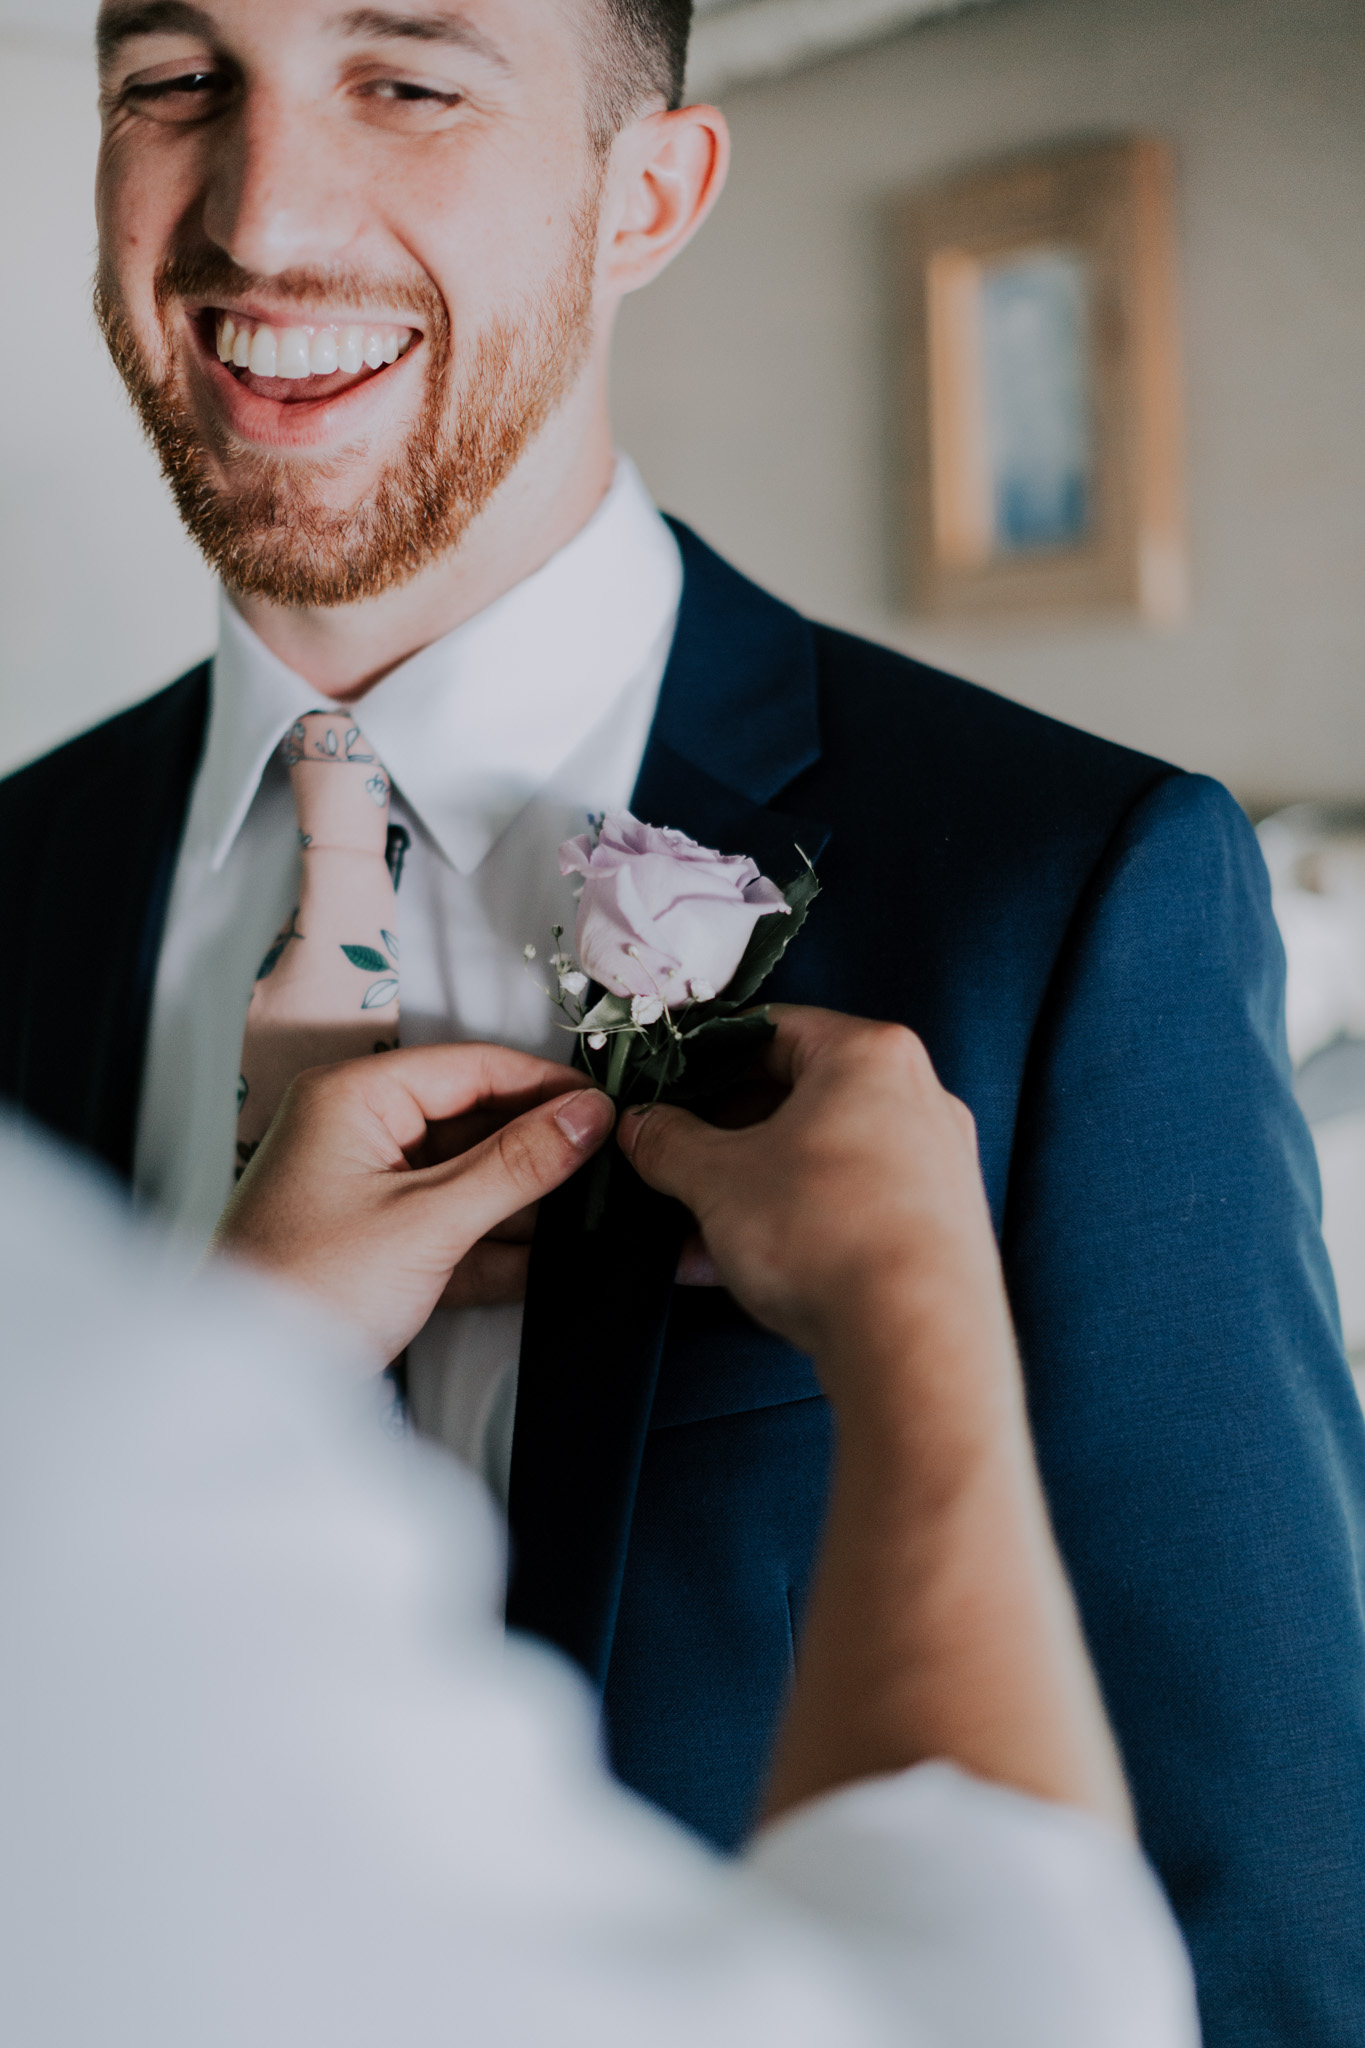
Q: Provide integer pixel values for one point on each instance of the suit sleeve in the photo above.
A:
(1199, 1434)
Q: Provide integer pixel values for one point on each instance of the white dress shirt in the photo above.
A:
(499, 739)
(271, 1774)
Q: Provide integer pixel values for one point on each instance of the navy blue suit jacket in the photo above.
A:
(1083, 938)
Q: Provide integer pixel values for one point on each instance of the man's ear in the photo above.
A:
(665, 174)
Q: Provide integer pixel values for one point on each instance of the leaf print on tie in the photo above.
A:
(272, 958)
(371, 961)
(395, 853)
(366, 958)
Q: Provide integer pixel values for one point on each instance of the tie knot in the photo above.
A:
(341, 793)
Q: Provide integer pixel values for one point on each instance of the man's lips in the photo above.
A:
(300, 391)
(298, 385)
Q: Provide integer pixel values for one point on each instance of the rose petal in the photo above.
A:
(658, 911)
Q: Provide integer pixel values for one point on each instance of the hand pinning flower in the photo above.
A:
(663, 923)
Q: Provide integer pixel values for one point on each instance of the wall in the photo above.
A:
(101, 597)
(753, 379)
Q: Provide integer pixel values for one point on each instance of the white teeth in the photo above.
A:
(264, 352)
(323, 355)
(292, 357)
(298, 352)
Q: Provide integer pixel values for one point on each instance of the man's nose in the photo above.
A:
(277, 199)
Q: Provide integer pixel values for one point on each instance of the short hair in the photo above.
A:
(641, 57)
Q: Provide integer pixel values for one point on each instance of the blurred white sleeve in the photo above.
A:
(269, 1773)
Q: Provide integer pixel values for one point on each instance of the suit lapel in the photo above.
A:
(105, 817)
(736, 724)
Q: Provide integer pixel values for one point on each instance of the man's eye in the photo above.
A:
(400, 91)
(183, 97)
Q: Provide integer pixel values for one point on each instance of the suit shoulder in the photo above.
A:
(170, 722)
(1188, 854)
(953, 728)
(981, 797)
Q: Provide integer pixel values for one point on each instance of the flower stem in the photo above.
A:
(616, 1066)
(599, 1173)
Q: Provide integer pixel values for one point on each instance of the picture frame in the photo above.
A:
(1041, 386)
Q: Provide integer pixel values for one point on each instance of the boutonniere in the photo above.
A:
(672, 943)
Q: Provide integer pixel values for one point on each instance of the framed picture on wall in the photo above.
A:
(1042, 390)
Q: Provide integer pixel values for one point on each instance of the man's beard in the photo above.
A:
(264, 531)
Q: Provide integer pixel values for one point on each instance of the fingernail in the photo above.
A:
(584, 1116)
(629, 1129)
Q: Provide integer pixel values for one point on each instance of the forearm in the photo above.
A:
(941, 1623)
(854, 1222)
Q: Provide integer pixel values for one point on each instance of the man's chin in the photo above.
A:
(308, 530)
(287, 548)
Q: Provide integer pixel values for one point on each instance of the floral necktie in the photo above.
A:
(328, 988)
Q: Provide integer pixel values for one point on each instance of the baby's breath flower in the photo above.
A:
(528, 952)
(646, 1009)
(597, 1039)
(700, 991)
(573, 983)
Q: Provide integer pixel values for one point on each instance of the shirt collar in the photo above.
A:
(255, 700)
(472, 727)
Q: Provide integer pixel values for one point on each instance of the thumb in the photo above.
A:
(673, 1151)
(526, 1159)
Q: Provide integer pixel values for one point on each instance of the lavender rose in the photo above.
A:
(660, 916)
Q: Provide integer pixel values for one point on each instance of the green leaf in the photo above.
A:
(607, 1015)
(713, 1029)
(771, 937)
(661, 1066)
(718, 1054)
(366, 958)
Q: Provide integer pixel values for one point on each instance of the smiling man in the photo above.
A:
(359, 270)
(350, 273)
